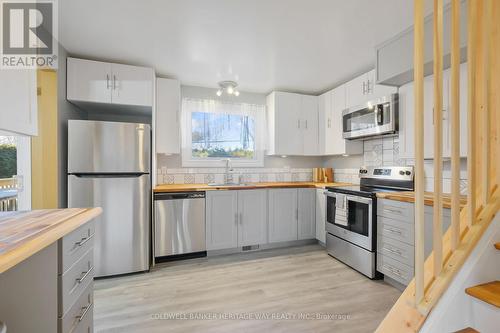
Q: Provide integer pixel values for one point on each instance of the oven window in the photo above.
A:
(358, 217)
(330, 209)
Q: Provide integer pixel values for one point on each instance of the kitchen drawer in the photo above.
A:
(74, 245)
(74, 281)
(79, 316)
(394, 269)
(401, 231)
(398, 210)
(397, 250)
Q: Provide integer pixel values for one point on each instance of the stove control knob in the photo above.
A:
(408, 173)
(402, 173)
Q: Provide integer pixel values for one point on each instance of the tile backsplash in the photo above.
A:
(385, 152)
(217, 175)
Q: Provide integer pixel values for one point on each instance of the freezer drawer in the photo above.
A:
(108, 147)
(121, 243)
(179, 223)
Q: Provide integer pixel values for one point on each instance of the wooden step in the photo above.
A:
(488, 292)
(497, 246)
(467, 330)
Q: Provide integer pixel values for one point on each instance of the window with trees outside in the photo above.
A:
(217, 131)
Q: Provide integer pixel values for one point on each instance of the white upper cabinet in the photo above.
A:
(167, 123)
(363, 89)
(132, 85)
(406, 116)
(292, 124)
(18, 95)
(309, 118)
(100, 82)
(331, 140)
(89, 81)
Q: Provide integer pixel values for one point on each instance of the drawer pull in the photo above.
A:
(84, 312)
(393, 251)
(85, 274)
(84, 240)
(392, 210)
(394, 271)
(394, 231)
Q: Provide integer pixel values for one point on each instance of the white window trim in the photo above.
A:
(213, 106)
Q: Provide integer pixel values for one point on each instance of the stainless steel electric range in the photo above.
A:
(351, 215)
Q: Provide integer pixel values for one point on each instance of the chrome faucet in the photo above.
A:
(228, 169)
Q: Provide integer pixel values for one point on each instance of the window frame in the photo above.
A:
(213, 106)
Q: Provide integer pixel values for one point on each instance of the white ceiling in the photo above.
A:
(294, 45)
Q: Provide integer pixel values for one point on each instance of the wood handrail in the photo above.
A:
(436, 273)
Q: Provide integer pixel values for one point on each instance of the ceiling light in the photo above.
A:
(229, 87)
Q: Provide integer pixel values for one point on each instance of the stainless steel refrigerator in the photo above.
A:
(109, 167)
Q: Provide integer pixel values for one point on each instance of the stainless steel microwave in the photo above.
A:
(374, 118)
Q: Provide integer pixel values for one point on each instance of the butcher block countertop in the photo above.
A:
(428, 198)
(165, 188)
(22, 234)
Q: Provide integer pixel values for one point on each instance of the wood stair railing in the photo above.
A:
(487, 292)
(435, 273)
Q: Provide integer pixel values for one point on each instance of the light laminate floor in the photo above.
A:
(276, 283)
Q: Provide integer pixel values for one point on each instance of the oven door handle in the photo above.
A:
(329, 194)
(362, 200)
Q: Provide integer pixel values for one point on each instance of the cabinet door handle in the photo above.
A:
(368, 89)
(306, 124)
(107, 81)
(114, 82)
(298, 123)
(236, 218)
(241, 218)
(85, 274)
(84, 240)
(84, 313)
(364, 88)
(329, 123)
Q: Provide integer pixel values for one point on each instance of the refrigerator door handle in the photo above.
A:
(114, 175)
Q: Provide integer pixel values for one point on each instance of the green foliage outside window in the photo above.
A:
(8, 160)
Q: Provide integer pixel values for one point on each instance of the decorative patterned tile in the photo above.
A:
(159, 179)
(295, 177)
(168, 179)
(189, 178)
(209, 178)
(280, 177)
(199, 178)
(263, 177)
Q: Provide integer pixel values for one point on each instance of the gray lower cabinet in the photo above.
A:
(75, 280)
(396, 238)
(292, 214)
(235, 218)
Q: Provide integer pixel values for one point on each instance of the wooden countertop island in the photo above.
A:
(23, 234)
(165, 188)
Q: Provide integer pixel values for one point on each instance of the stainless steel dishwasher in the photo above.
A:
(179, 225)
